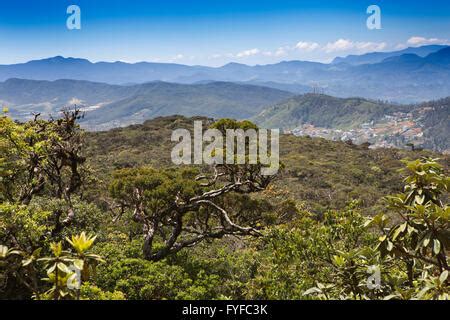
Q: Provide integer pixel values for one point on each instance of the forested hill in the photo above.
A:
(324, 174)
(153, 230)
(111, 106)
(324, 111)
(435, 119)
(426, 125)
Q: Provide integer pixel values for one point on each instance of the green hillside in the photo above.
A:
(325, 174)
(109, 106)
(436, 124)
(112, 205)
(216, 99)
(324, 111)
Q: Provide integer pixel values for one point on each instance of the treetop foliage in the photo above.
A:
(215, 232)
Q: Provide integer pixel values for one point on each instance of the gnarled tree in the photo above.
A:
(42, 157)
(182, 207)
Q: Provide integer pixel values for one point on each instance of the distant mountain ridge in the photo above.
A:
(377, 57)
(113, 105)
(108, 106)
(410, 75)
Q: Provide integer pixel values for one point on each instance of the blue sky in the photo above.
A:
(213, 32)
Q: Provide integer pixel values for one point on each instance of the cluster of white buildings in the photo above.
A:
(394, 130)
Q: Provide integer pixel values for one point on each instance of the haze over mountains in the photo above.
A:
(410, 75)
(376, 57)
(288, 95)
(110, 106)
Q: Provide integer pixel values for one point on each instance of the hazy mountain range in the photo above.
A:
(286, 95)
(377, 57)
(110, 106)
(409, 75)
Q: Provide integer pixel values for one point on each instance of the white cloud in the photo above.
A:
(370, 46)
(281, 51)
(307, 46)
(401, 46)
(361, 47)
(285, 50)
(339, 45)
(420, 41)
(178, 57)
(248, 53)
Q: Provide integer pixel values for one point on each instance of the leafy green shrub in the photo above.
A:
(140, 279)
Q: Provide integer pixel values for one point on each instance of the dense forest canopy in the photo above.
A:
(106, 215)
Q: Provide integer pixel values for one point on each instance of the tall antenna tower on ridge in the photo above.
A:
(317, 89)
